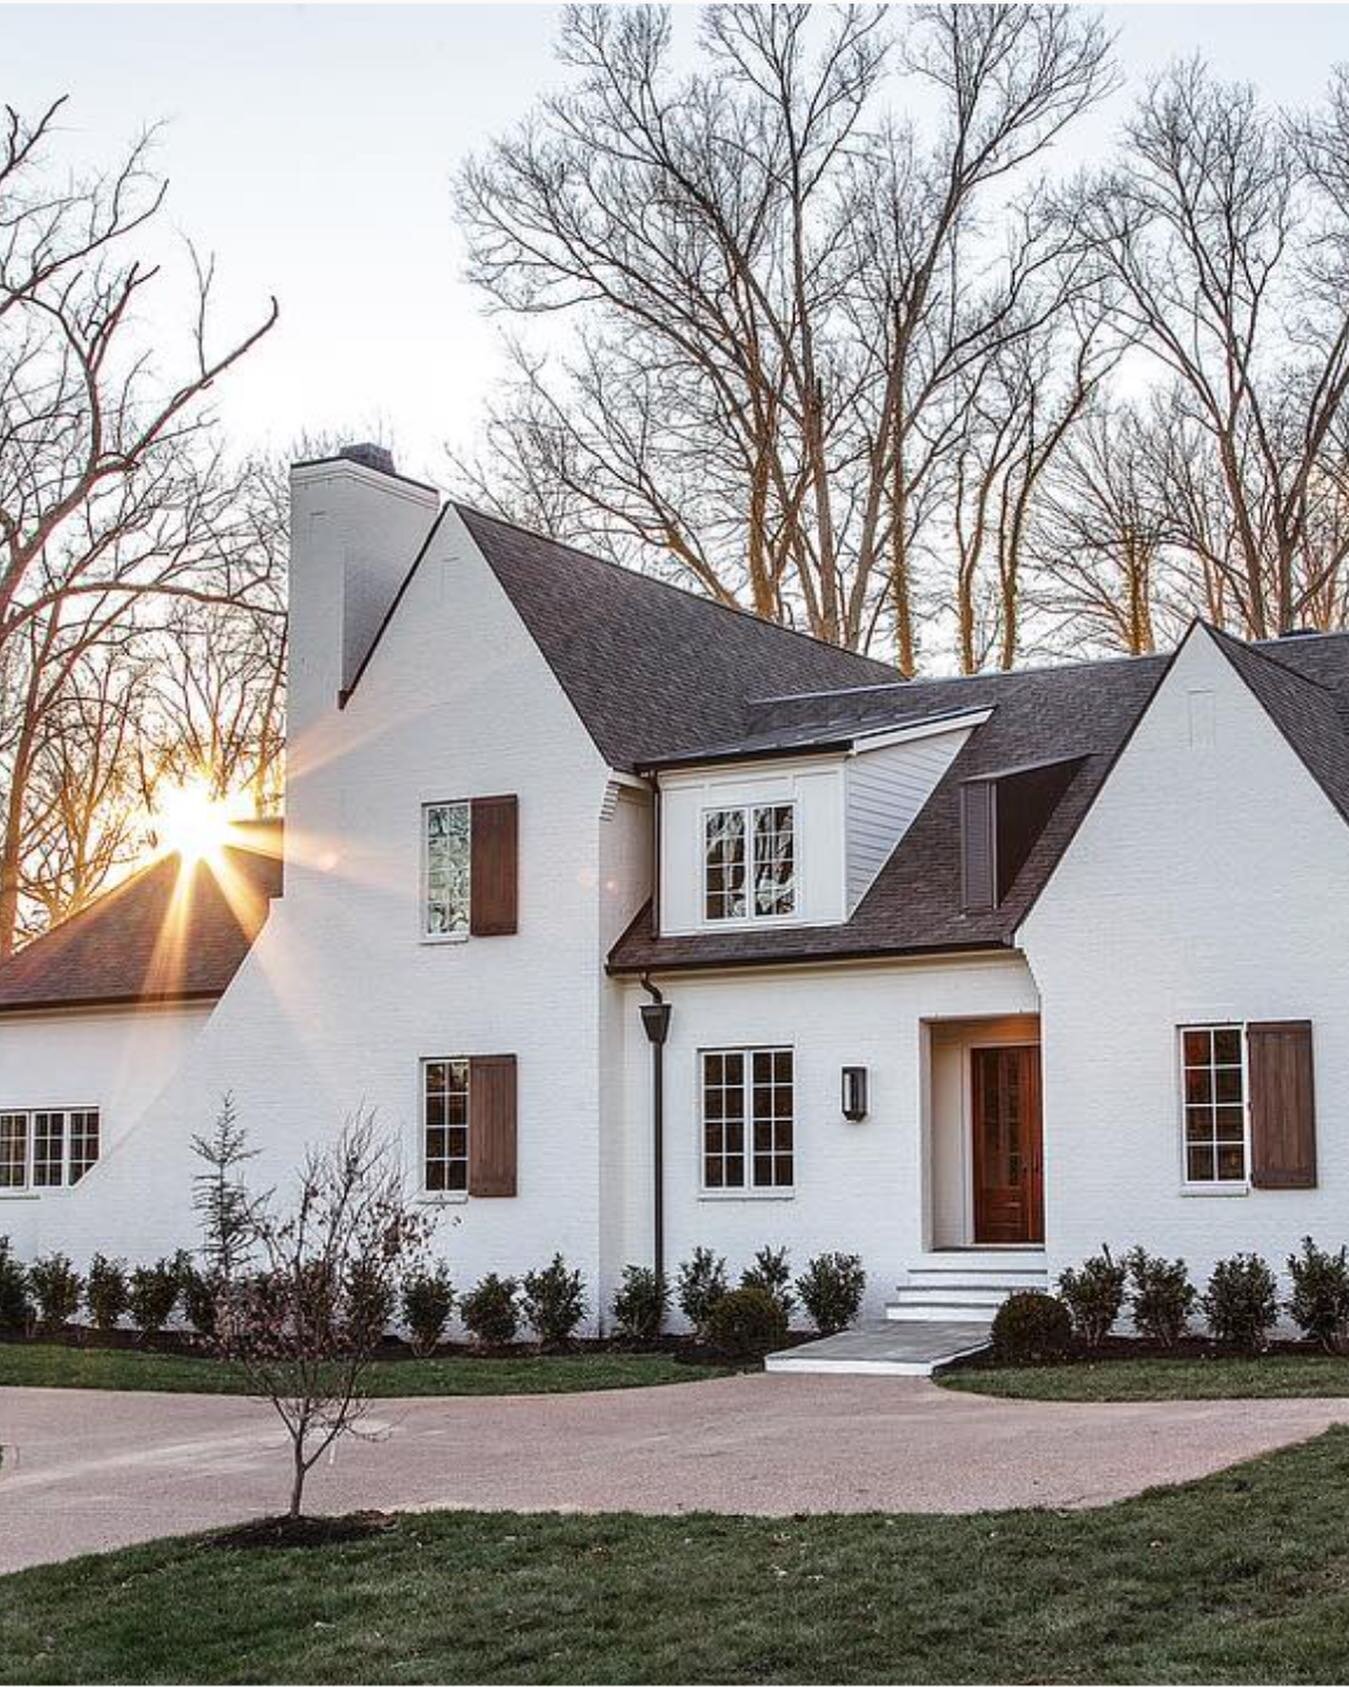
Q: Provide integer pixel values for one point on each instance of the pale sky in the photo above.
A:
(312, 147)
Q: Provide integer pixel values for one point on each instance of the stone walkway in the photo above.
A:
(87, 1470)
(884, 1347)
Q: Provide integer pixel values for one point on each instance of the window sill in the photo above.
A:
(1224, 1191)
(26, 1194)
(452, 1199)
(447, 940)
(747, 1195)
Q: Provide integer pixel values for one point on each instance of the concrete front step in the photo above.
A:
(939, 1312)
(912, 1348)
(965, 1286)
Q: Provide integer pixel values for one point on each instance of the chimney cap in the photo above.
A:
(369, 456)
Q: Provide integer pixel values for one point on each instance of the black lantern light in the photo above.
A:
(854, 1093)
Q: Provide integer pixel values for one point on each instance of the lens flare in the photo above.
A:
(193, 823)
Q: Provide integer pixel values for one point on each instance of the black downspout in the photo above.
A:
(656, 1024)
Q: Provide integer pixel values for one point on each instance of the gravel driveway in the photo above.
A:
(87, 1470)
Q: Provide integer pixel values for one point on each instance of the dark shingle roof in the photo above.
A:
(161, 935)
(651, 669)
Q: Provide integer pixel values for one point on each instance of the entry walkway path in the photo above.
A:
(86, 1470)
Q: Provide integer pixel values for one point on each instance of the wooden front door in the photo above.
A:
(1008, 1181)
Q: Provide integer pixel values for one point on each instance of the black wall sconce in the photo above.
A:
(854, 1093)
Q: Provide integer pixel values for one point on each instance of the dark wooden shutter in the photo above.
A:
(491, 1124)
(1283, 1104)
(977, 809)
(493, 867)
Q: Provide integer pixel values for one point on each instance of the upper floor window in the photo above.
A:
(49, 1148)
(748, 1116)
(749, 862)
(1214, 1082)
(446, 869)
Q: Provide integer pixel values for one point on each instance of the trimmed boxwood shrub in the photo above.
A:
(1319, 1304)
(56, 1287)
(105, 1292)
(554, 1301)
(772, 1273)
(746, 1322)
(1241, 1301)
(1161, 1296)
(831, 1290)
(154, 1294)
(1093, 1294)
(428, 1300)
(702, 1283)
(16, 1306)
(640, 1304)
(371, 1301)
(491, 1310)
(1030, 1328)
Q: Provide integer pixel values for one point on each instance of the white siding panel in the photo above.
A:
(886, 789)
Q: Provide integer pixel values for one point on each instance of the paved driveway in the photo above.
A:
(89, 1470)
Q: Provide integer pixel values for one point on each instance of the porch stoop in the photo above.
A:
(883, 1348)
(966, 1285)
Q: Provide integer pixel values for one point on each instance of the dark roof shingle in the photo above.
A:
(162, 935)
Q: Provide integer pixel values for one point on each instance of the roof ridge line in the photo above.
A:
(968, 679)
(1269, 656)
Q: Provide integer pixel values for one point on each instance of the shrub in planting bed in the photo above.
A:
(554, 1301)
(702, 1283)
(831, 1290)
(491, 1310)
(1093, 1294)
(772, 1273)
(640, 1305)
(106, 1292)
(1319, 1304)
(153, 1295)
(56, 1287)
(1161, 1296)
(428, 1300)
(1241, 1302)
(1030, 1328)
(746, 1322)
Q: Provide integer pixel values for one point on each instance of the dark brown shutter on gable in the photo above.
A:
(493, 867)
(978, 802)
(1283, 1104)
(491, 1124)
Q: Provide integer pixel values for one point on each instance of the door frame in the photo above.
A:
(1036, 1202)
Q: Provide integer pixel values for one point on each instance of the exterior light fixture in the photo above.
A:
(854, 1093)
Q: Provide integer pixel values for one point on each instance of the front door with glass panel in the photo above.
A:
(1008, 1177)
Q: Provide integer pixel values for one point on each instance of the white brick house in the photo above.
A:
(1069, 945)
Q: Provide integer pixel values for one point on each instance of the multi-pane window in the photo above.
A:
(749, 862)
(446, 835)
(49, 1148)
(747, 1119)
(1214, 1089)
(445, 1125)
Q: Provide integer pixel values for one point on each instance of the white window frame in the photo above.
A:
(749, 1190)
(1215, 1185)
(28, 1189)
(424, 855)
(750, 915)
(425, 1192)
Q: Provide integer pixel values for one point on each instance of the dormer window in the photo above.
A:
(749, 862)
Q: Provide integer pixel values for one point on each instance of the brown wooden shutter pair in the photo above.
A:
(491, 1124)
(1283, 1104)
(493, 867)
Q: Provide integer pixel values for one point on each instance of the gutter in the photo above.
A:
(656, 1024)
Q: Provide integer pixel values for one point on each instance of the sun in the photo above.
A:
(192, 822)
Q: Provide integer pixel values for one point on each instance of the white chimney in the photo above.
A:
(355, 529)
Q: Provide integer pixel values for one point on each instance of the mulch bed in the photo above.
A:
(304, 1531)
(1135, 1347)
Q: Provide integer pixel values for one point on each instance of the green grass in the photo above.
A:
(1241, 1577)
(1277, 1376)
(44, 1365)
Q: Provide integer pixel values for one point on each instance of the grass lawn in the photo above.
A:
(1272, 1376)
(44, 1365)
(1241, 1577)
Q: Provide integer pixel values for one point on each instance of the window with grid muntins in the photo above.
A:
(47, 1148)
(1214, 1088)
(446, 857)
(445, 1102)
(13, 1150)
(749, 862)
(748, 1112)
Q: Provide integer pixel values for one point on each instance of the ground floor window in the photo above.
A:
(48, 1147)
(445, 1123)
(1213, 1080)
(748, 1112)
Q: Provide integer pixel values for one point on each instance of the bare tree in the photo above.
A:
(776, 296)
(113, 492)
(293, 1287)
(1225, 232)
